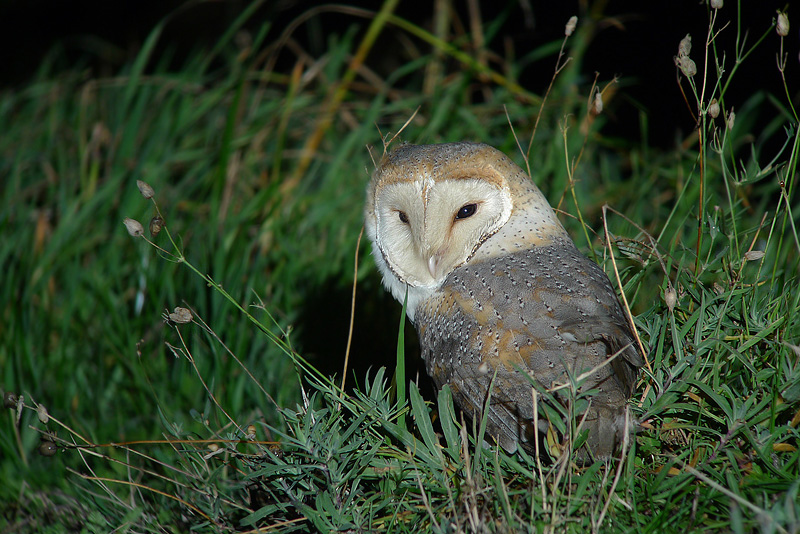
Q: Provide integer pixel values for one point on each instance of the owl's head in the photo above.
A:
(433, 208)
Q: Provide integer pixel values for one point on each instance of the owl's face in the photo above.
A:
(428, 226)
(433, 208)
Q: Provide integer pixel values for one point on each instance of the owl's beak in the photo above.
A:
(433, 263)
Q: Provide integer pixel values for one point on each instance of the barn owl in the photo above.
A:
(497, 290)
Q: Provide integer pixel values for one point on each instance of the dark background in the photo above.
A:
(637, 42)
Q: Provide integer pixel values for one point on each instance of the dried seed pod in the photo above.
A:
(713, 109)
(41, 411)
(134, 227)
(251, 432)
(716, 4)
(670, 297)
(181, 316)
(731, 119)
(753, 255)
(47, 448)
(156, 224)
(685, 46)
(782, 27)
(572, 23)
(145, 189)
(597, 104)
(688, 68)
(20, 407)
(10, 400)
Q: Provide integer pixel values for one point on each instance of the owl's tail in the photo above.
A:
(610, 429)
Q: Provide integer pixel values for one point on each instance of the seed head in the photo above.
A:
(181, 316)
(716, 4)
(713, 109)
(670, 297)
(685, 48)
(135, 228)
(156, 224)
(687, 66)
(41, 411)
(753, 255)
(20, 406)
(597, 106)
(572, 23)
(783, 24)
(731, 120)
(145, 189)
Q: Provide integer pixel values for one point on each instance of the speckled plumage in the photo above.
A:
(499, 293)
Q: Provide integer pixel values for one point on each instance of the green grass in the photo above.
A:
(262, 194)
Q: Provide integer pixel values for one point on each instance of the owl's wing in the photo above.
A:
(594, 313)
(541, 312)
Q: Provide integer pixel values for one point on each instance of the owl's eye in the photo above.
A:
(466, 211)
(403, 217)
